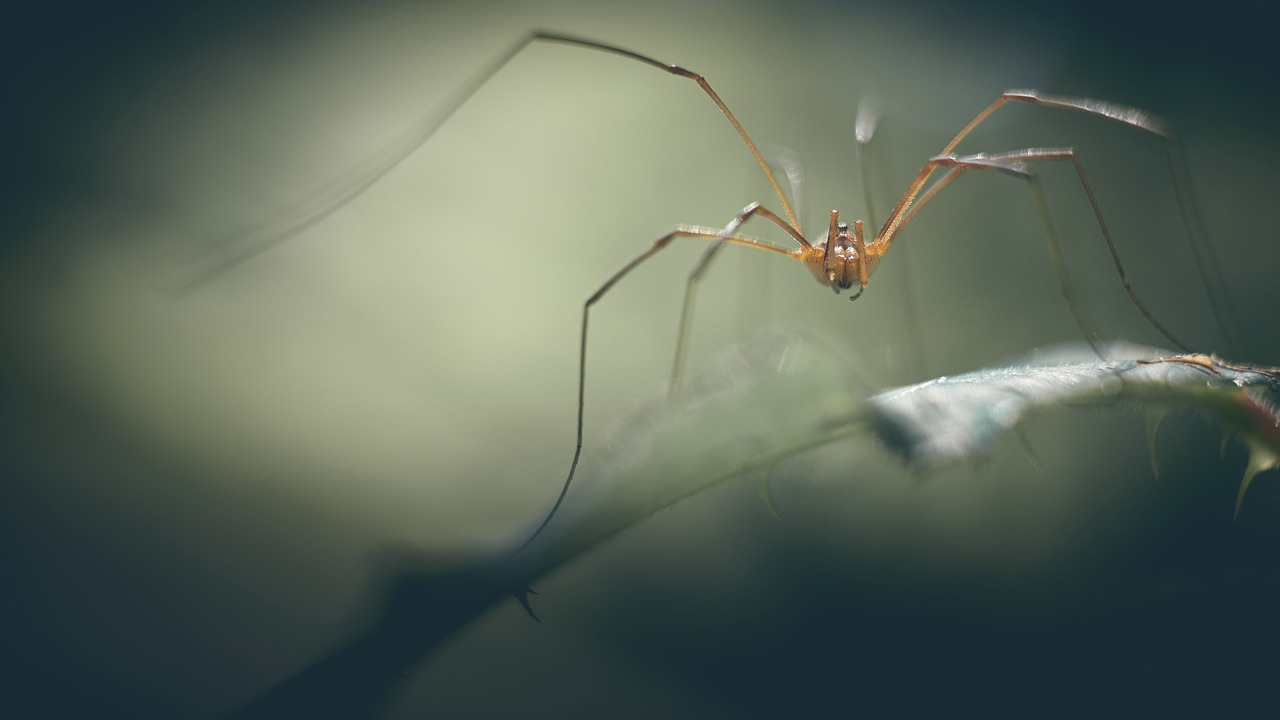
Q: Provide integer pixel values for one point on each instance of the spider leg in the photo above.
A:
(719, 237)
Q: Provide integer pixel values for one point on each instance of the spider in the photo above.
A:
(844, 255)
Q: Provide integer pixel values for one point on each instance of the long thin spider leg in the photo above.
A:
(903, 214)
(1018, 170)
(706, 87)
(337, 194)
(1060, 265)
(958, 165)
(1201, 247)
(1011, 163)
(1206, 258)
(754, 305)
(793, 170)
(864, 131)
(1130, 116)
(695, 276)
(1034, 154)
(1207, 263)
(719, 236)
(865, 127)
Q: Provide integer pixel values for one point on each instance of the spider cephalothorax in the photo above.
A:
(841, 259)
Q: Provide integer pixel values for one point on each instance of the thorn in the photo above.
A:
(522, 596)
(1154, 418)
(1024, 442)
(1261, 459)
(761, 480)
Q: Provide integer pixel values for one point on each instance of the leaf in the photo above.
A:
(753, 406)
(951, 418)
(765, 401)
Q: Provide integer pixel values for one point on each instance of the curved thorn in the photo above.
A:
(1260, 459)
(1154, 418)
(1024, 442)
(760, 480)
(522, 597)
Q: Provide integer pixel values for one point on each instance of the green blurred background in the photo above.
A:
(205, 493)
